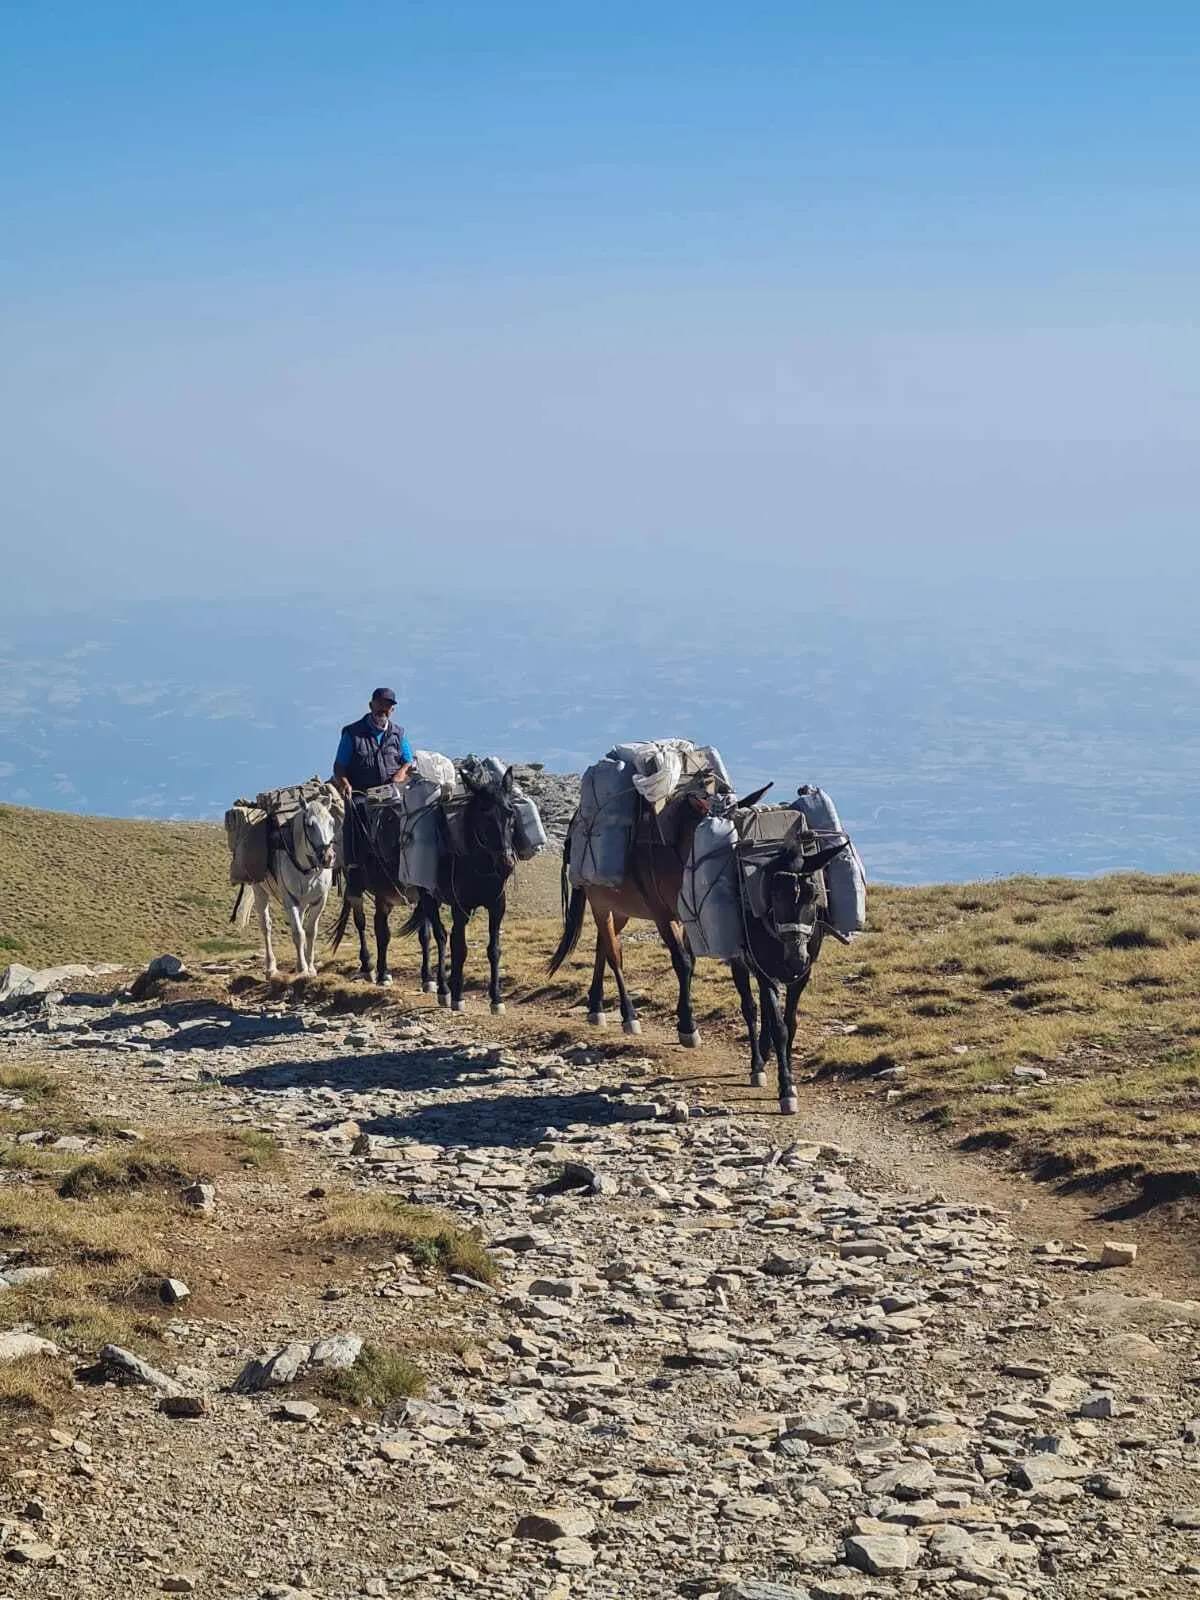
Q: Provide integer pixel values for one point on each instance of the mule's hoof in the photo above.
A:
(384, 980)
(458, 1005)
(690, 1040)
(444, 1001)
(631, 1026)
(598, 1019)
(365, 974)
(758, 1080)
(497, 1008)
(429, 988)
(789, 1106)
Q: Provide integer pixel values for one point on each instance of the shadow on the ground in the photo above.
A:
(406, 1072)
(196, 1025)
(515, 1121)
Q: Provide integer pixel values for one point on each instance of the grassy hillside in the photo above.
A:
(945, 1004)
(98, 888)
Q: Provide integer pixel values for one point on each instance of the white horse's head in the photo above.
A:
(316, 832)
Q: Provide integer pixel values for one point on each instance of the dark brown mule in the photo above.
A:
(651, 893)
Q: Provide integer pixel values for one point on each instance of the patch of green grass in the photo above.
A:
(427, 1237)
(378, 1378)
(224, 947)
(10, 944)
(258, 1149)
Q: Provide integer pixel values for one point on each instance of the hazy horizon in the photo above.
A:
(821, 382)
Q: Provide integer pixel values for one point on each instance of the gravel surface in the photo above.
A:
(716, 1362)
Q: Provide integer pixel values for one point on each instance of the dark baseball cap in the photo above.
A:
(384, 694)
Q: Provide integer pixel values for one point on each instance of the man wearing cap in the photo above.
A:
(372, 751)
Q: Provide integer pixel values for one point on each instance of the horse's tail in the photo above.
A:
(574, 905)
(242, 904)
(342, 923)
(419, 917)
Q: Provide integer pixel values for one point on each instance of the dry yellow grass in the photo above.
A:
(428, 1238)
(104, 889)
(1096, 982)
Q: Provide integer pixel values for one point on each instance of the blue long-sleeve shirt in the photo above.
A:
(345, 747)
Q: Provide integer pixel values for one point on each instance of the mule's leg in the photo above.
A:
(768, 993)
(495, 921)
(458, 958)
(433, 916)
(312, 918)
(745, 989)
(427, 984)
(794, 991)
(595, 1002)
(610, 942)
(360, 925)
(296, 928)
(262, 904)
(684, 963)
(383, 937)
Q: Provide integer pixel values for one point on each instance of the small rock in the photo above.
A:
(1030, 1074)
(125, 1367)
(15, 1345)
(1114, 1254)
(880, 1554)
(31, 1554)
(573, 1554)
(566, 1522)
(173, 1291)
(761, 1589)
(298, 1411)
(201, 1195)
(1098, 1406)
(166, 966)
(179, 1583)
(184, 1405)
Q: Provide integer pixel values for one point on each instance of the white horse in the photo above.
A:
(300, 874)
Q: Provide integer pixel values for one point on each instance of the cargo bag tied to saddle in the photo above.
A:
(248, 824)
(845, 878)
(403, 823)
(529, 833)
(614, 789)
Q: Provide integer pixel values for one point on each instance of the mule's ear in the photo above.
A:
(508, 783)
(811, 864)
(756, 795)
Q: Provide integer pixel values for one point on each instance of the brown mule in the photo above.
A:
(654, 877)
(650, 893)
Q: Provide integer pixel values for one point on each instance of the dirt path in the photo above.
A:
(744, 1352)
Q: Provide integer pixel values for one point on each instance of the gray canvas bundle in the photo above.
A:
(529, 835)
(603, 828)
(710, 906)
(248, 824)
(845, 878)
(415, 804)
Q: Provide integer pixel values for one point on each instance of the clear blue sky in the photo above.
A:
(356, 284)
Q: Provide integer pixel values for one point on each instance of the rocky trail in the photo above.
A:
(721, 1356)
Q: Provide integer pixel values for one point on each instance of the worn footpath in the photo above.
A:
(719, 1358)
